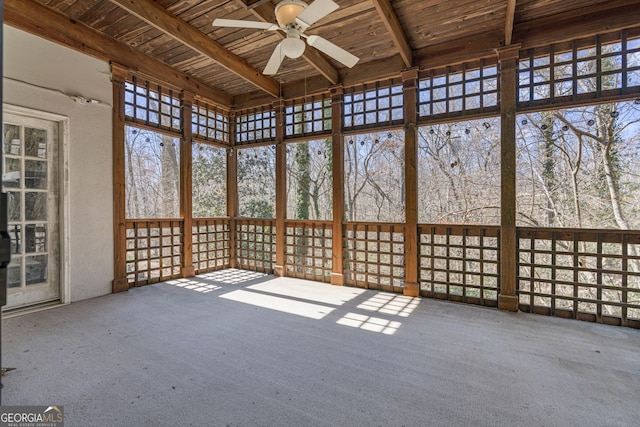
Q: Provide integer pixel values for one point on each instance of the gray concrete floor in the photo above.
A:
(236, 348)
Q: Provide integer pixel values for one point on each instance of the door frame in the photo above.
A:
(63, 182)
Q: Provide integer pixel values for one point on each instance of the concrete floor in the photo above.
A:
(236, 348)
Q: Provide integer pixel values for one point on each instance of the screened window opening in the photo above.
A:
(309, 180)
(578, 167)
(374, 177)
(209, 181)
(152, 174)
(459, 172)
(257, 182)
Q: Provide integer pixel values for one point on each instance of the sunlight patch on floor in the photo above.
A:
(298, 308)
(311, 291)
(232, 275)
(194, 285)
(386, 303)
(368, 323)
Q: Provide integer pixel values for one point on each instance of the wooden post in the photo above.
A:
(508, 62)
(232, 190)
(120, 283)
(411, 285)
(186, 164)
(337, 156)
(281, 188)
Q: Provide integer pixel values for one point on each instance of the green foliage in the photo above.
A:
(302, 164)
(209, 181)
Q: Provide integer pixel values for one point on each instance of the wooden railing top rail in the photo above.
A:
(211, 221)
(580, 234)
(264, 220)
(460, 229)
(374, 226)
(308, 222)
(164, 222)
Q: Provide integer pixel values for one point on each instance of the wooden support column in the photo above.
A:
(232, 190)
(337, 156)
(410, 82)
(186, 164)
(508, 62)
(120, 282)
(281, 187)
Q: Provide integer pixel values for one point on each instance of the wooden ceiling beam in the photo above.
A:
(32, 17)
(158, 17)
(266, 13)
(393, 26)
(590, 21)
(510, 16)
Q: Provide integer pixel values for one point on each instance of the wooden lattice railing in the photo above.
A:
(582, 274)
(460, 263)
(154, 250)
(211, 244)
(255, 244)
(374, 255)
(308, 249)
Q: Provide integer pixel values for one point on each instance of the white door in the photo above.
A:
(30, 178)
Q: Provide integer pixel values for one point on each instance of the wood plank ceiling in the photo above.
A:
(388, 36)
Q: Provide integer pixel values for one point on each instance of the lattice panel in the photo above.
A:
(455, 91)
(154, 251)
(256, 244)
(373, 105)
(211, 244)
(256, 125)
(374, 256)
(599, 67)
(460, 263)
(589, 275)
(308, 117)
(152, 105)
(209, 123)
(308, 249)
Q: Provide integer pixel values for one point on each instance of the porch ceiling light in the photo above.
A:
(288, 10)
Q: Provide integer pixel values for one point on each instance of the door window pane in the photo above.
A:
(15, 233)
(15, 205)
(13, 273)
(36, 269)
(35, 174)
(11, 174)
(11, 139)
(35, 238)
(35, 205)
(35, 142)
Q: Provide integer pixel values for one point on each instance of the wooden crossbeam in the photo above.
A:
(392, 24)
(266, 13)
(158, 17)
(33, 17)
(508, 26)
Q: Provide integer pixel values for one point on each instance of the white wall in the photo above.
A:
(35, 72)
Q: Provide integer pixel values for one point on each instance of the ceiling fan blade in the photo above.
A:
(236, 23)
(336, 52)
(274, 62)
(315, 12)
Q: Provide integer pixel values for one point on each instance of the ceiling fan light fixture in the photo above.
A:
(288, 10)
(292, 47)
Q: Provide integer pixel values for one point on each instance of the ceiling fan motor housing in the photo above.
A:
(288, 10)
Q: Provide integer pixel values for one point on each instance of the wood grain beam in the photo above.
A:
(508, 26)
(34, 18)
(392, 24)
(158, 17)
(267, 12)
(590, 21)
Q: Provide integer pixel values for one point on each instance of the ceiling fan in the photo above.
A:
(294, 17)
